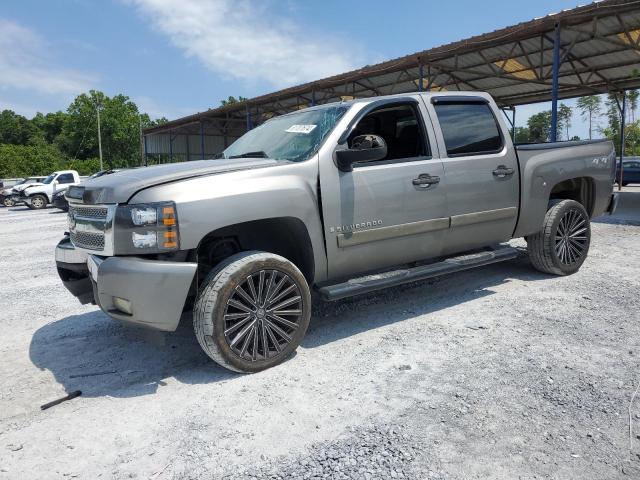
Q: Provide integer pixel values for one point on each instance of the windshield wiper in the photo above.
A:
(258, 154)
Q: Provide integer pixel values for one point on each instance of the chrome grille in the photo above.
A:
(90, 227)
(90, 241)
(89, 212)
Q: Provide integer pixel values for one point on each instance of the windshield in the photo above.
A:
(294, 137)
(49, 179)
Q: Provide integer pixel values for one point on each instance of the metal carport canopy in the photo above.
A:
(598, 52)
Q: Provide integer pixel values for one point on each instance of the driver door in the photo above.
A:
(380, 215)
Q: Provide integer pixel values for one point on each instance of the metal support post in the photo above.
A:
(622, 127)
(554, 84)
(202, 139)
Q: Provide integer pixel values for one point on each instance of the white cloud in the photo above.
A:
(155, 110)
(24, 64)
(241, 39)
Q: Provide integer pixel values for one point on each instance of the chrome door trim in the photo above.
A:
(393, 231)
(485, 216)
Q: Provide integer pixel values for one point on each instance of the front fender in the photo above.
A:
(205, 204)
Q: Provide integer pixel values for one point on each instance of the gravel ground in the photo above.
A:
(500, 372)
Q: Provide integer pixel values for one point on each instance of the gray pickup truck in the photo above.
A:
(334, 200)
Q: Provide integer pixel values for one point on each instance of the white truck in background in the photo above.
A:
(39, 195)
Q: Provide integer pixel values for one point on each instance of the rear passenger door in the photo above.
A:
(481, 168)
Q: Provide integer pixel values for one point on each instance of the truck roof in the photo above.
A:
(427, 95)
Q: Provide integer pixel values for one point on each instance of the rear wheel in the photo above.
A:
(252, 311)
(38, 202)
(562, 245)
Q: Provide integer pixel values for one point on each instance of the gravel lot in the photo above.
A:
(499, 372)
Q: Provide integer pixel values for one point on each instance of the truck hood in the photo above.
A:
(19, 188)
(119, 187)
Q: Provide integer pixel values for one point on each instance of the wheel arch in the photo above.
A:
(285, 236)
(580, 189)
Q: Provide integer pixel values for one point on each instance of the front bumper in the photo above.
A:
(134, 290)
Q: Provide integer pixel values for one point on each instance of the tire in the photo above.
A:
(227, 302)
(7, 202)
(38, 202)
(562, 245)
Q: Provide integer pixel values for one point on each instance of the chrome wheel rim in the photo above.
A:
(571, 237)
(37, 202)
(262, 315)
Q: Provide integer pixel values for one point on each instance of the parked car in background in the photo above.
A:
(630, 171)
(59, 200)
(6, 194)
(39, 195)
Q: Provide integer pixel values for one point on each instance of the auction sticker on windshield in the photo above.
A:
(301, 129)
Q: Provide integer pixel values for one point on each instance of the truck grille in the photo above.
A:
(89, 212)
(90, 241)
(90, 227)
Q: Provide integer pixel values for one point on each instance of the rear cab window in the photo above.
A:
(468, 128)
(65, 178)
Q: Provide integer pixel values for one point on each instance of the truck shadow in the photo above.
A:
(100, 357)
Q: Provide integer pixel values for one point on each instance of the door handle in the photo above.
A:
(503, 171)
(425, 180)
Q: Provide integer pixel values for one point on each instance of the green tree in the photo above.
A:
(632, 138)
(565, 112)
(590, 107)
(48, 127)
(231, 100)
(14, 129)
(539, 126)
(25, 160)
(120, 128)
(522, 135)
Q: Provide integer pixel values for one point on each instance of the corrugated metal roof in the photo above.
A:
(600, 48)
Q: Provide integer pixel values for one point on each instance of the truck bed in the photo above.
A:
(544, 166)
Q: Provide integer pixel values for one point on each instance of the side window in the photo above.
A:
(468, 128)
(65, 178)
(400, 128)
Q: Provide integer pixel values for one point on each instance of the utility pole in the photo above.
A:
(99, 136)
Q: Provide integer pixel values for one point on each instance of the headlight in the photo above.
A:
(146, 228)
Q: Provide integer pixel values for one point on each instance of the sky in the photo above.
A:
(178, 57)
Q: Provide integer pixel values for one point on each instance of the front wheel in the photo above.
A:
(561, 247)
(252, 311)
(7, 202)
(37, 202)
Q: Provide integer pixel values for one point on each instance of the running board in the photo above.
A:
(371, 283)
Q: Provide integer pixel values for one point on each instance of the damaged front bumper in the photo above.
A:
(150, 293)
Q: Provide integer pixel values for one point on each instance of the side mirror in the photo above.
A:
(364, 148)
